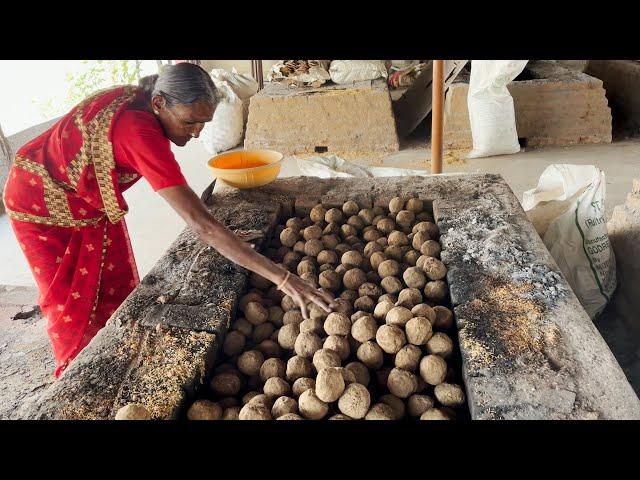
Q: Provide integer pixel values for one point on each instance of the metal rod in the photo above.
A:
(437, 107)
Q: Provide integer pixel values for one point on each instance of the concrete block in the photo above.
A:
(328, 120)
(553, 106)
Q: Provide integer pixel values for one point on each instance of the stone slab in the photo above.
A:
(331, 119)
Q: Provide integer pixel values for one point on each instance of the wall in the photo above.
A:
(16, 141)
(621, 80)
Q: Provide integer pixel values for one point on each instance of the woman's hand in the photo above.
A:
(235, 247)
(302, 293)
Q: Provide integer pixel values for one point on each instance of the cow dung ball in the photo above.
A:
(444, 317)
(414, 277)
(284, 405)
(401, 383)
(360, 372)
(302, 384)
(418, 330)
(433, 369)
(364, 329)
(233, 343)
(417, 404)
(255, 313)
(204, 410)
(338, 344)
(370, 354)
(310, 406)
(329, 384)
(272, 367)
(398, 316)
(288, 334)
(250, 362)
(306, 344)
(298, 367)
(252, 411)
(449, 394)
(440, 344)
(435, 291)
(390, 338)
(226, 384)
(380, 411)
(133, 411)
(325, 358)
(408, 358)
(355, 401)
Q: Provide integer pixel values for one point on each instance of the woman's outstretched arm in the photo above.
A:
(187, 204)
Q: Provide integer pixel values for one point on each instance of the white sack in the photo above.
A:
(491, 113)
(349, 71)
(577, 238)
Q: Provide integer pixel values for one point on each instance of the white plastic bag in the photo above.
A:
(348, 71)
(333, 166)
(491, 113)
(577, 238)
(244, 86)
(225, 130)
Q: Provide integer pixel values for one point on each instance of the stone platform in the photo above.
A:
(331, 119)
(529, 350)
(553, 106)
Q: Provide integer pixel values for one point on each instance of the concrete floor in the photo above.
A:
(153, 225)
(26, 359)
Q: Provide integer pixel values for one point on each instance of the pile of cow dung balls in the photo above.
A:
(384, 353)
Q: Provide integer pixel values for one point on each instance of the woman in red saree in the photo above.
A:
(64, 198)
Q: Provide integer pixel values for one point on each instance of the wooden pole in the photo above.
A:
(437, 110)
(257, 73)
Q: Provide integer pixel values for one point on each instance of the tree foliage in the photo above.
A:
(101, 74)
(94, 75)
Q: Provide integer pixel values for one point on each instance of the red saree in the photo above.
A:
(64, 198)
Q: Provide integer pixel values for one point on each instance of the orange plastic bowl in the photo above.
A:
(247, 168)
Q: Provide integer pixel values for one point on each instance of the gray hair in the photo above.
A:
(184, 83)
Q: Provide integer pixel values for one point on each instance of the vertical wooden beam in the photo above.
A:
(437, 114)
(256, 73)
